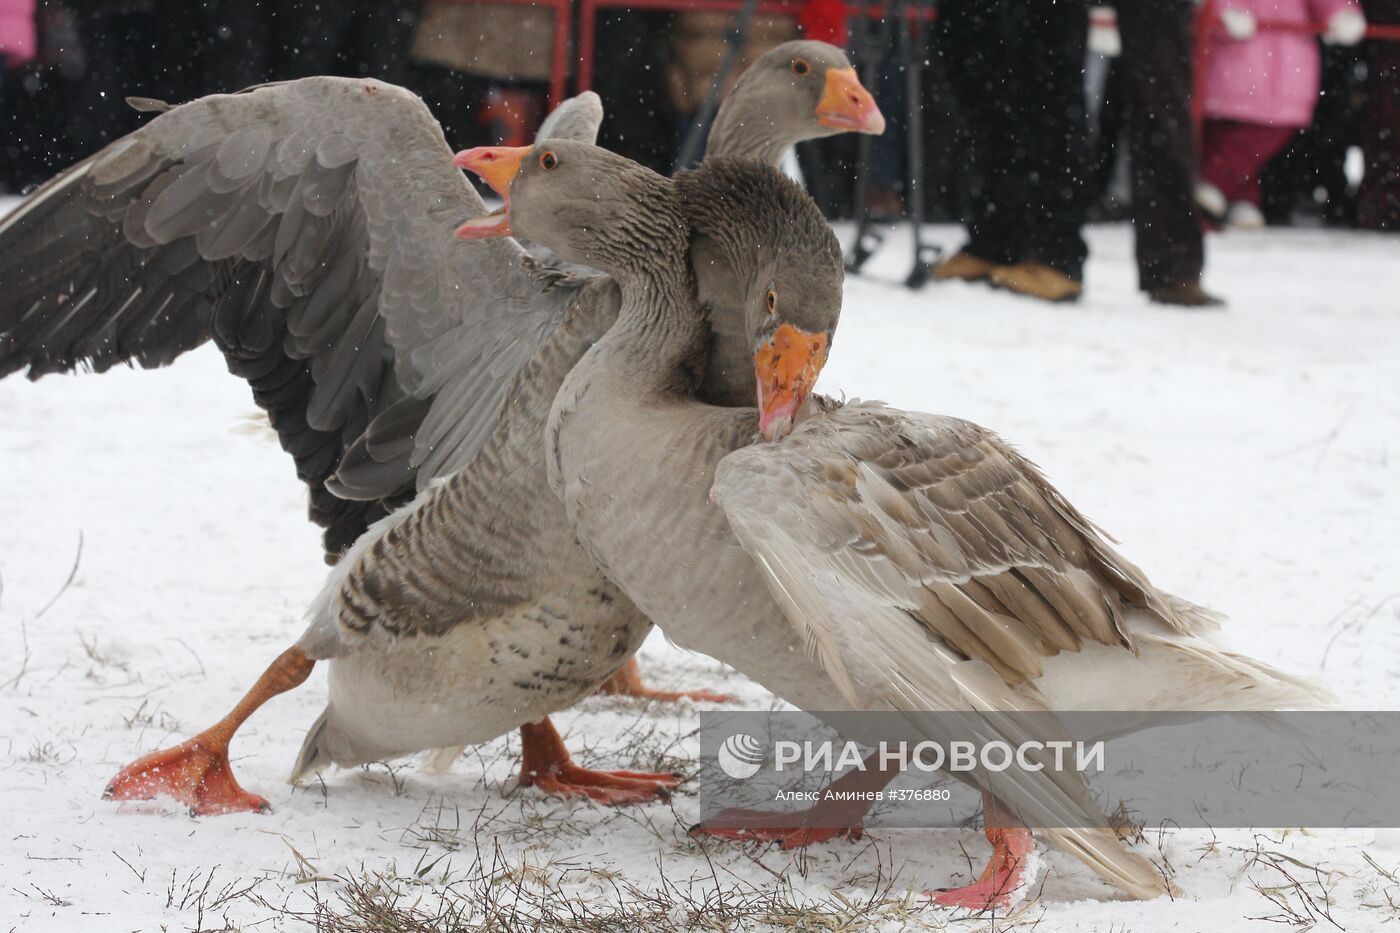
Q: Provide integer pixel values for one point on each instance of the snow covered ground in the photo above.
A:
(1249, 460)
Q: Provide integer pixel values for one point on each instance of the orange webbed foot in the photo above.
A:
(613, 788)
(196, 773)
(547, 765)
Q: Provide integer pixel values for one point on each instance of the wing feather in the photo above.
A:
(929, 568)
(306, 227)
(577, 118)
(942, 521)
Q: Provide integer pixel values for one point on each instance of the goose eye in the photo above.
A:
(772, 301)
(548, 160)
(800, 66)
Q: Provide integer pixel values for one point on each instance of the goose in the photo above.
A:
(305, 228)
(767, 111)
(852, 556)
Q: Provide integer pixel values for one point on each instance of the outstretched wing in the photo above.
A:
(927, 563)
(577, 118)
(306, 227)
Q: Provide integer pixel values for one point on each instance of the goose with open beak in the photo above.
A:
(306, 229)
(798, 90)
(495, 165)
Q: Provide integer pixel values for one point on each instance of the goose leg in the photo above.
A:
(197, 772)
(829, 818)
(1010, 872)
(546, 764)
(627, 682)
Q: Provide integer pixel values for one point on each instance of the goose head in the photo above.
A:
(599, 209)
(800, 90)
(787, 264)
(794, 302)
(585, 204)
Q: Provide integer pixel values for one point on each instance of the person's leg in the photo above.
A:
(9, 177)
(111, 37)
(1215, 156)
(1048, 61)
(378, 42)
(973, 39)
(885, 195)
(1313, 161)
(1378, 201)
(1258, 144)
(1110, 129)
(212, 47)
(1229, 156)
(638, 115)
(304, 38)
(1156, 82)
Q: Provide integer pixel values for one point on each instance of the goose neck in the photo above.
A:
(659, 327)
(742, 131)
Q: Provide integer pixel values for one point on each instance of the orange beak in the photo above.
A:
(786, 367)
(497, 166)
(846, 105)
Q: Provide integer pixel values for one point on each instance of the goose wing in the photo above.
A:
(944, 522)
(577, 118)
(929, 565)
(306, 228)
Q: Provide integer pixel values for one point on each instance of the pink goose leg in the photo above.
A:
(1012, 866)
(546, 764)
(197, 772)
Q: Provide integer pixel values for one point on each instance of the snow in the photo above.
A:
(1246, 460)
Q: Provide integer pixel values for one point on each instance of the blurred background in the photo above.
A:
(487, 70)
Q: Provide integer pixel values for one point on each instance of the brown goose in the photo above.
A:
(305, 228)
(875, 559)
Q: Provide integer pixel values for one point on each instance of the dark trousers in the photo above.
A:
(1314, 161)
(210, 47)
(349, 39)
(1016, 68)
(116, 41)
(1156, 87)
(638, 120)
(1378, 201)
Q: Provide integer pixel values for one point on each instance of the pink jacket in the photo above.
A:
(17, 33)
(1273, 77)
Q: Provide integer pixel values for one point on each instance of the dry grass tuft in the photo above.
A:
(505, 896)
(1300, 895)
